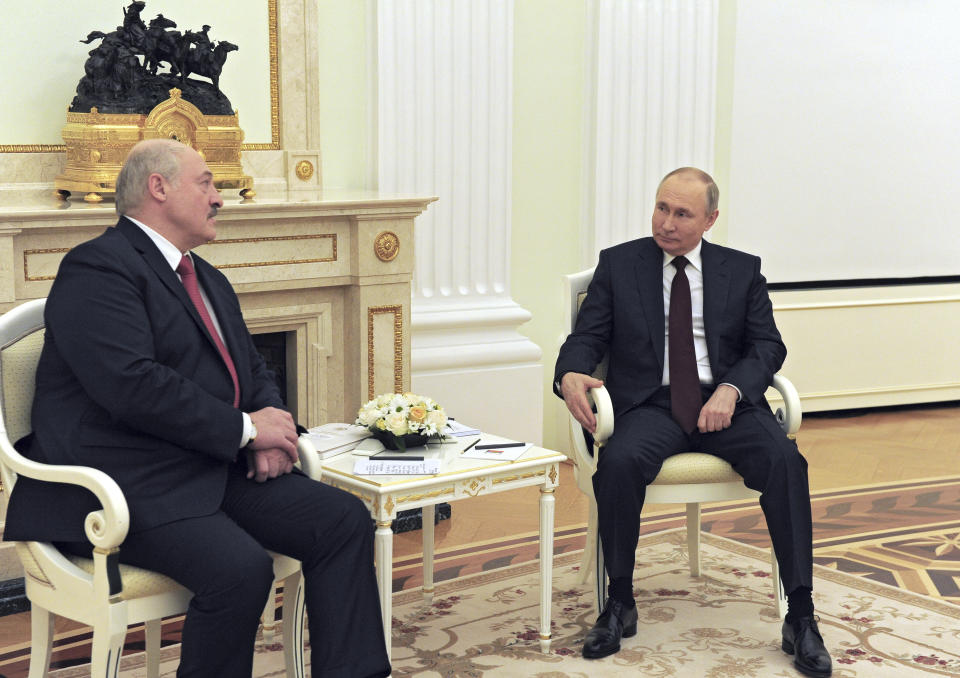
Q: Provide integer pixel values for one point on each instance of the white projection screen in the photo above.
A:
(846, 139)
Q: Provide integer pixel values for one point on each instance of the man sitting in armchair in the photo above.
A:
(149, 374)
(688, 327)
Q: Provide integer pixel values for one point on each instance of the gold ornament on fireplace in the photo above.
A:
(304, 170)
(386, 245)
(98, 143)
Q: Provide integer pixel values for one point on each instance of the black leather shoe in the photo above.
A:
(614, 622)
(802, 639)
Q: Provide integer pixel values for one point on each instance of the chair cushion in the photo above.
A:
(137, 582)
(695, 467)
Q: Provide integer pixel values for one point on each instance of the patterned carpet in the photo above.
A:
(720, 625)
(904, 535)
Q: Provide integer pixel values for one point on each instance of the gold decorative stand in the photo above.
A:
(98, 143)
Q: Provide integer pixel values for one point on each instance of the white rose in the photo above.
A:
(397, 424)
(368, 416)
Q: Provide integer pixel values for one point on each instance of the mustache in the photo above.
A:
(212, 213)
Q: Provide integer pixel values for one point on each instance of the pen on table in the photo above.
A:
(470, 445)
(499, 446)
(395, 458)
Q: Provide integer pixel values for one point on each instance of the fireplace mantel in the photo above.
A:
(332, 270)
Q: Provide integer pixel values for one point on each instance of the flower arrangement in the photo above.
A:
(402, 420)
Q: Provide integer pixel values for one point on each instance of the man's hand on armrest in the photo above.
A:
(574, 387)
(717, 413)
(275, 430)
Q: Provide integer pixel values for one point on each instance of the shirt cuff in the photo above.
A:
(247, 430)
(739, 392)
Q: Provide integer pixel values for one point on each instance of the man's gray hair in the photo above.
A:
(161, 156)
(713, 193)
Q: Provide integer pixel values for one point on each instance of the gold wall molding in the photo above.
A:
(397, 312)
(273, 47)
(226, 241)
(272, 145)
(253, 264)
(26, 263)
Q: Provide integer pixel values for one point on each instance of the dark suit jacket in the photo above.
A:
(131, 382)
(623, 316)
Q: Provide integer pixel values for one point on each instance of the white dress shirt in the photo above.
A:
(694, 271)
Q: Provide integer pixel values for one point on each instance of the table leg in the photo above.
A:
(383, 547)
(427, 522)
(546, 565)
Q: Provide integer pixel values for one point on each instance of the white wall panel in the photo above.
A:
(653, 80)
(445, 114)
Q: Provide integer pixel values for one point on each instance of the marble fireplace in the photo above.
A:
(329, 274)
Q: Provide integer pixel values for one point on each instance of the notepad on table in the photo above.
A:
(456, 429)
(506, 451)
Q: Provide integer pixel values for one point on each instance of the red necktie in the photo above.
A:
(685, 396)
(189, 277)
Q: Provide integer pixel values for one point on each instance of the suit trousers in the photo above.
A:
(754, 445)
(222, 559)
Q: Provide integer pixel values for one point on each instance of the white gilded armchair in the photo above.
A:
(101, 592)
(690, 478)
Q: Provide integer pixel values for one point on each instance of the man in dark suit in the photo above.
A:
(688, 327)
(148, 373)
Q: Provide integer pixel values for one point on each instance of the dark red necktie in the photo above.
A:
(685, 396)
(189, 277)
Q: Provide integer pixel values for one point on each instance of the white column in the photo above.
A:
(444, 128)
(652, 75)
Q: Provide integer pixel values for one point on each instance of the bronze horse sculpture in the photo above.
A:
(205, 62)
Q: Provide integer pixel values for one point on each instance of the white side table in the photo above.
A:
(459, 478)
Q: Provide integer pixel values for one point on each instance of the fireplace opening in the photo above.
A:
(273, 347)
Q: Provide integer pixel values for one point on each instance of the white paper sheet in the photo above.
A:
(374, 467)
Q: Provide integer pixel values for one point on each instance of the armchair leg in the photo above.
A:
(268, 620)
(152, 632)
(109, 630)
(293, 606)
(779, 595)
(587, 559)
(693, 538)
(41, 641)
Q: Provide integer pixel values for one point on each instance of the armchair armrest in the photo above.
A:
(309, 459)
(106, 528)
(604, 414)
(790, 414)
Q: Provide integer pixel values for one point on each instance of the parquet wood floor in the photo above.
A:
(854, 531)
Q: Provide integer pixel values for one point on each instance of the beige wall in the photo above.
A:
(547, 192)
(549, 70)
(53, 79)
(548, 104)
(346, 106)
